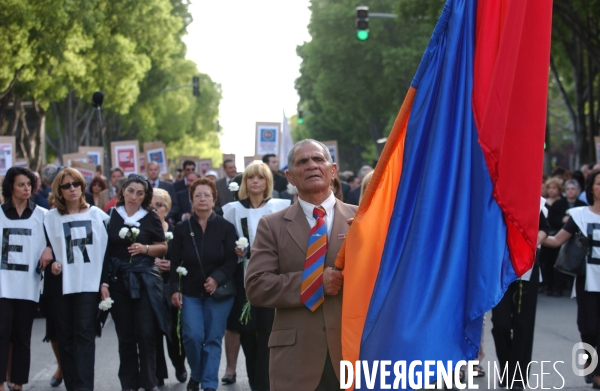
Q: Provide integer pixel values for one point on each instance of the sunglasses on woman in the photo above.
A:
(67, 186)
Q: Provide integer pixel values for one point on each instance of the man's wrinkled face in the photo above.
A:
(311, 172)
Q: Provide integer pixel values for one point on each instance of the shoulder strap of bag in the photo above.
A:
(196, 247)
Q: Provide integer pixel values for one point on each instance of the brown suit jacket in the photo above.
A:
(300, 339)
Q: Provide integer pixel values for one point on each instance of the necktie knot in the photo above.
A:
(319, 212)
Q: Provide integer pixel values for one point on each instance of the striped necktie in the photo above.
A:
(311, 289)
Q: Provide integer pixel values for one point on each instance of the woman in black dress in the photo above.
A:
(131, 278)
(161, 202)
(19, 282)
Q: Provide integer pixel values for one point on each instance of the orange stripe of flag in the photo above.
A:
(362, 250)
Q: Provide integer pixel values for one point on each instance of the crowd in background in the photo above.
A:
(187, 249)
(190, 224)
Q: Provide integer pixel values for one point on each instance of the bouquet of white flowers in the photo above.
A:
(106, 304)
(132, 233)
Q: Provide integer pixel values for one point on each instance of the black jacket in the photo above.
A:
(216, 247)
(557, 211)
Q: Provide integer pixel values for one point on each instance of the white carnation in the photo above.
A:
(169, 236)
(106, 304)
(242, 243)
(124, 232)
(182, 271)
(136, 231)
(233, 186)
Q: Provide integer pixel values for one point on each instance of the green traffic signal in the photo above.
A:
(300, 121)
(362, 35)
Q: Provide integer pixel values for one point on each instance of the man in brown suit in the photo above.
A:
(305, 345)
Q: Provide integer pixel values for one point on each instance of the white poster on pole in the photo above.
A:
(267, 138)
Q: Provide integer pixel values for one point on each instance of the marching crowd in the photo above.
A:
(171, 260)
(166, 259)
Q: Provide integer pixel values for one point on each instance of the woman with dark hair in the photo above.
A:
(586, 220)
(203, 245)
(75, 224)
(131, 278)
(255, 202)
(96, 186)
(19, 279)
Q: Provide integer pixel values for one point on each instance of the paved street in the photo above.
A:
(556, 333)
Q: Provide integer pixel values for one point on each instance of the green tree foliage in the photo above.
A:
(351, 90)
(58, 54)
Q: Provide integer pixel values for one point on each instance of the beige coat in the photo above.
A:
(300, 338)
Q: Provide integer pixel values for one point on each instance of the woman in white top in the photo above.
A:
(78, 237)
(255, 202)
(587, 287)
(24, 245)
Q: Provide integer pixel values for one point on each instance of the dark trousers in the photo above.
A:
(553, 279)
(16, 321)
(178, 360)
(136, 331)
(588, 316)
(75, 318)
(254, 338)
(513, 323)
(329, 380)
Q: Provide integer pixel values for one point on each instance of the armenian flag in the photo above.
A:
(450, 217)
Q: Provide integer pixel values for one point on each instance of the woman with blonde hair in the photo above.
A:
(255, 201)
(78, 238)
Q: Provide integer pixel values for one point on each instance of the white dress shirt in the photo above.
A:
(328, 205)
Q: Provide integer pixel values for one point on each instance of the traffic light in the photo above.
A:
(196, 84)
(362, 22)
(300, 118)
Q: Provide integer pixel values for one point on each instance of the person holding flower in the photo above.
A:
(132, 280)
(161, 201)
(202, 260)
(255, 195)
(78, 238)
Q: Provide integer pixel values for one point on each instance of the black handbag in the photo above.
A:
(223, 291)
(572, 256)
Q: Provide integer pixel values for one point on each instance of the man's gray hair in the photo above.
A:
(49, 173)
(290, 157)
(572, 182)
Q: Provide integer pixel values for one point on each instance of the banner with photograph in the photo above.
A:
(87, 170)
(95, 155)
(157, 152)
(205, 165)
(125, 154)
(69, 158)
(267, 138)
(7, 153)
(250, 159)
(332, 145)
